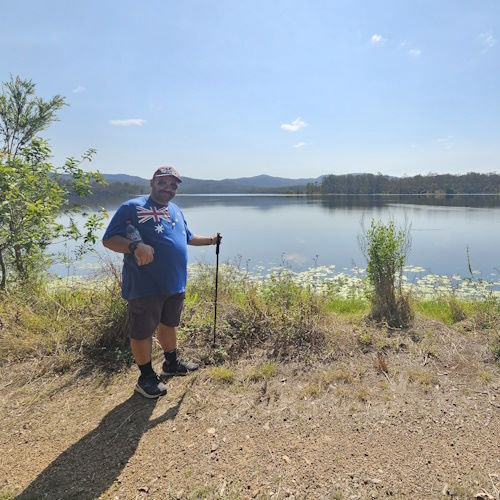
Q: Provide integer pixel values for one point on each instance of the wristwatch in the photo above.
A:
(133, 245)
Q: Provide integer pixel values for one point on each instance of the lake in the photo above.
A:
(261, 232)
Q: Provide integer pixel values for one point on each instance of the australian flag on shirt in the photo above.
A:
(164, 228)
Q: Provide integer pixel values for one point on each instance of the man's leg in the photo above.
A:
(173, 365)
(141, 325)
(142, 349)
(167, 337)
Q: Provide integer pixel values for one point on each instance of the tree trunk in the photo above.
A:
(4, 272)
(19, 261)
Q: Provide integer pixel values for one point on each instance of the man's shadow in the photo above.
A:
(90, 466)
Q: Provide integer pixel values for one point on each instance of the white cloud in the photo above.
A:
(377, 39)
(297, 124)
(79, 89)
(129, 122)
(415, 52)
(300, 144)
(446, 142)
(488, 40)
(403, 44)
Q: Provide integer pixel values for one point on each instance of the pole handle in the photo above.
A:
(216, 284)
(218, 244)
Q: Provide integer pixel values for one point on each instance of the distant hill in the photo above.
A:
(128, 179)
(256, 184)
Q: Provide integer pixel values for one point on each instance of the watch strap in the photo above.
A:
(133, 245)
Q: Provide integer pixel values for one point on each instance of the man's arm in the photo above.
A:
(199, 241)
(143, 253)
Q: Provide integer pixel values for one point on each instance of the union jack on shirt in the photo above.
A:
(157, 214)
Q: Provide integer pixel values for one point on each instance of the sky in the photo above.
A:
(225, 88)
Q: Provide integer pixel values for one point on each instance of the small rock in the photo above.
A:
(214, 447)
(179, 494)
(266, 426)
(223, 488)
(145, 489)
(286, 459)
(211, 431)
(446, 489)
(375, 481)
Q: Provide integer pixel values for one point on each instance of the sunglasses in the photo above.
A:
(164, 183)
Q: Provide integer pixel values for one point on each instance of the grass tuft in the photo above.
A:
(422, 377)
(263, 371)
(222, 374)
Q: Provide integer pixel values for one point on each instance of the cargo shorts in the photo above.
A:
(146, 313)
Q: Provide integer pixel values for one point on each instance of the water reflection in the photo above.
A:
(338, 201)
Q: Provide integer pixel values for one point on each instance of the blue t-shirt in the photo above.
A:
(165, 229)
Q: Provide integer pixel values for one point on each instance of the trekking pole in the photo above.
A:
(216, 282)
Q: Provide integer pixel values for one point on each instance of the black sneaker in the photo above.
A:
(180, 367)
(151, 386)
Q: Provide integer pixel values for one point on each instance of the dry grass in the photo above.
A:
(258, 416)
(423, 377)
(380, 363)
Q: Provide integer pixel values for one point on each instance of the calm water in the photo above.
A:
(302, 232)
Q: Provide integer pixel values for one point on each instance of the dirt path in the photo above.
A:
(426, 427)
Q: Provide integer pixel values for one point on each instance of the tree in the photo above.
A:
(32, 196)
(23, 115)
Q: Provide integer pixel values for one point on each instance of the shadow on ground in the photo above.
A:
(90, 466)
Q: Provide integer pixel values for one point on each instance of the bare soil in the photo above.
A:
(415, 414)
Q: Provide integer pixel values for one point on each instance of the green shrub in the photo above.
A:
(385, 248)
(276, 313)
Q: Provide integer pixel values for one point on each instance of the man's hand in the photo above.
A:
(199, 241)
(213, 239)
(144, 254)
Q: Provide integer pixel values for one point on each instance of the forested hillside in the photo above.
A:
(419, 184)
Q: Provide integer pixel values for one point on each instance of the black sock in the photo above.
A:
(171, 356)
(146, 369)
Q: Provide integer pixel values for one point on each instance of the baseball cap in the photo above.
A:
(163, 171)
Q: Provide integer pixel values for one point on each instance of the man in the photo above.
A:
(153, 235)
